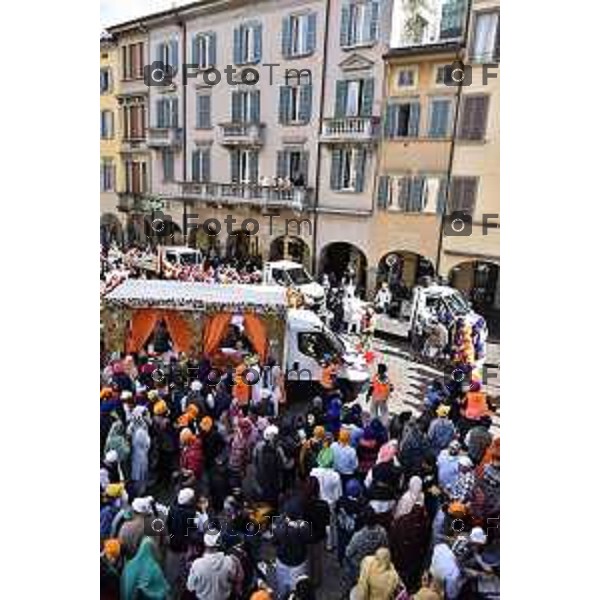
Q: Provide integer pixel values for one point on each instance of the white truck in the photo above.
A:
(293, 275)
(164, 260)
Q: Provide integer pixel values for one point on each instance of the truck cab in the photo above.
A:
(293, 275)
(308, 344)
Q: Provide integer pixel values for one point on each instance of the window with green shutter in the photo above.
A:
(203, 111)
(402, 119)
(474, 115)
(168, 165)
(439, 119)
(463, 194)
(383, 200)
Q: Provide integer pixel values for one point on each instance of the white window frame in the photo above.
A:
(204, 41)
(356, 84)
(299, 34)
(294, 113)
(489, 56)
(248, 43)
(358, 25)
(244, 165)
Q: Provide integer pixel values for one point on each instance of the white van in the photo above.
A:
(293, 275)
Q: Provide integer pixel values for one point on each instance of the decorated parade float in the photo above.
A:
(230, 325)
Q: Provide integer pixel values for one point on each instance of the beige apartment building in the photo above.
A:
(352, 159)
(473, 262)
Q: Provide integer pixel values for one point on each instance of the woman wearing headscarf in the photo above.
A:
(477, 442)
(367, 450)
(383, 482)
(348, 515)
(142, 576)
(240, 455)
(140, 443)
(117, 441)
(409, 534)
(413, 449)
(378, 578)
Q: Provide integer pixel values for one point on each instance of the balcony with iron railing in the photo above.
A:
(264, 196)
(350, 129)
(164, 137)
(241, 134)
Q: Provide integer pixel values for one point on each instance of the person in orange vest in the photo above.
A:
(328, 375)
(474, 409)
(379, 393)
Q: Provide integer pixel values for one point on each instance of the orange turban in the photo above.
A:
(206, 423)
(184, 420)
(192, 410)
(105, 393)
(112, 548)
(319, 432)
(160, 408)
(344, 436)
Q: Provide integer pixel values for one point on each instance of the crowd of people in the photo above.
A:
(206, 493)
(118, 265)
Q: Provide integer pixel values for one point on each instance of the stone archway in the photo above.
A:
(479, 281)
(241, 246)
(290, 248)
(337, 257)
(111, 230)
(403, 269)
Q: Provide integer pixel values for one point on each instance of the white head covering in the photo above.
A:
(126, 395)
(211, 539)
(104, 480)
(210, 400)
(478, 536)
(271, 432)
(465, 461)
(185, 496)
(142, 506)
(196, 386)
(111, 457)
(414, 495)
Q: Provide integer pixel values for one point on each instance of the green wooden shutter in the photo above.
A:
(196, 165)
(440, 111)
(205, 165)
(391, 120)
(374, 21)
(174, 112)
(236, 107)
(234, 161)
(366, 105)
(257, 43)
(383, 192)
(442, 196)
(341, 93)
(404, 193)
(237, 45)
(282, 163)
(311, 35)
(203, 120)
(254, 166)
(255, 106)
(285, 93)
(416, 194)
(413, 120)
(196, 50)
(305, 102)
(174, 53)
(345, 26)
(336, 169)
(286, 37)
(360, 165)
(304, 158)
(212, 49)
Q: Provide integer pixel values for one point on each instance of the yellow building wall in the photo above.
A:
(109, 148)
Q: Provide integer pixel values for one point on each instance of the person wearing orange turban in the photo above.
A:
(345, 461)
(112, 549)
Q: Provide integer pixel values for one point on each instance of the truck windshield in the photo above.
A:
(457, 304)
(334, 341)
(190, 258)
(299, 276)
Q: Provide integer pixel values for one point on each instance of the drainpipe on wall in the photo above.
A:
(461, 51)
(182, 25)
(318, 164)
